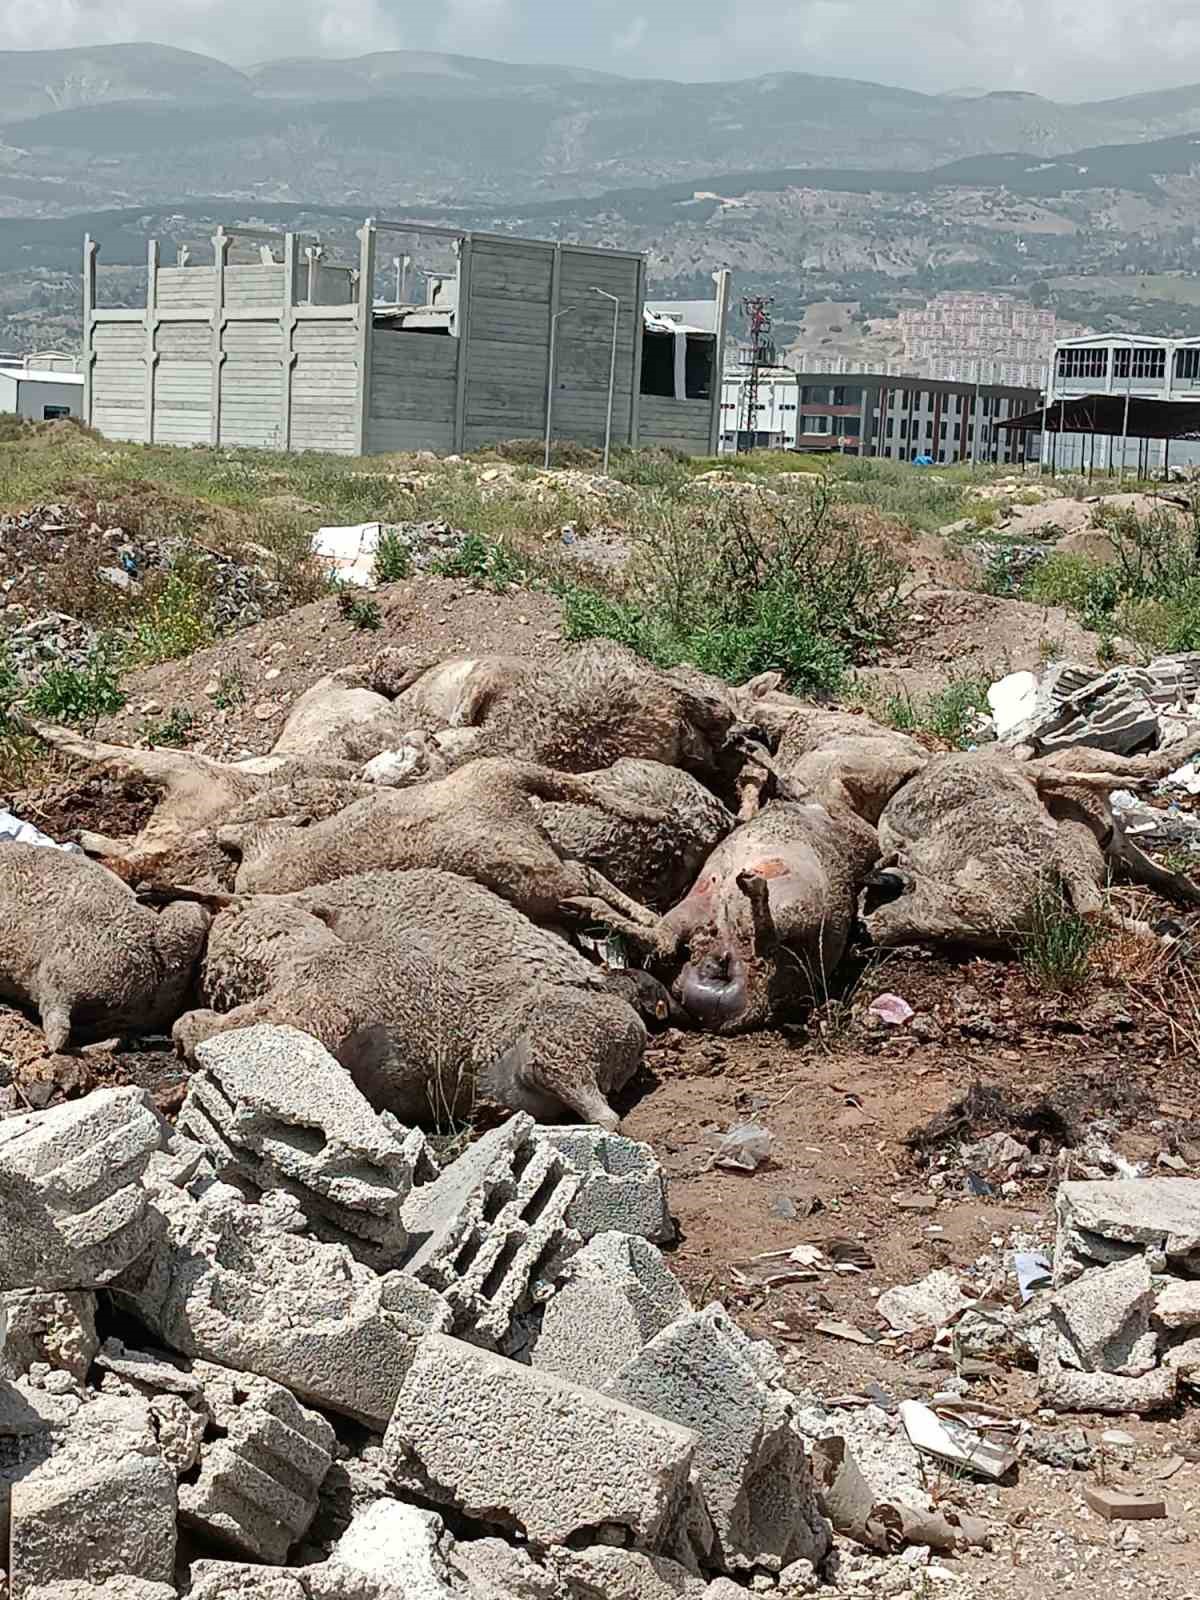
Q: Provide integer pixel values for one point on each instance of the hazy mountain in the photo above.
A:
(416, 126)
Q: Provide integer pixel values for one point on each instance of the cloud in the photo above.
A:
(1066, 49)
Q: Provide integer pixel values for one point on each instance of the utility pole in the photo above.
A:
(756, 309)
(612, 370)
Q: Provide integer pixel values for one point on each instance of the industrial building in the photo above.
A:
(271, 343)
(886, 415)
(1119, 402)
(39, 388)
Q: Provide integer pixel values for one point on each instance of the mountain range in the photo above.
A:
(811, 188)
(139, 121)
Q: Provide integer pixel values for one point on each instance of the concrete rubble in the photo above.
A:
(490, 1233)
(275, 1110)
(532, 1453)
(624, 1188)
(618, 1294)
(1122, 710)
(752, 1472)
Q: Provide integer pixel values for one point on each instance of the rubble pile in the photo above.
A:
(213, 1332)
(39, 545)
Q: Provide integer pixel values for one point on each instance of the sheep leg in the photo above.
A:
(163, 767)
(658, 941)
(1142, 869)
(99, 844)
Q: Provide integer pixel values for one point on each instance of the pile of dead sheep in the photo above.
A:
(278, 1351)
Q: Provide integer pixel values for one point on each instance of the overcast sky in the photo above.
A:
(1069, 49)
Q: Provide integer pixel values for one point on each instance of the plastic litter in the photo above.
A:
(744, 1148)
(954, 1442)
(1033, 1272)
(892, 1009)
(348, 553)
(13, 830)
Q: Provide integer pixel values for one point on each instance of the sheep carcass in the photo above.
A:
(78, 948)
(430, 990)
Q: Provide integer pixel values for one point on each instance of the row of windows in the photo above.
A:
(943, 431)
(1139, 363)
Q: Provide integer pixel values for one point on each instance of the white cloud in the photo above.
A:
(628, 40)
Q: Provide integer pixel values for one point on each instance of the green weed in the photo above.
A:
(949, 714)
(489, 562)
(393, 557)
(178, 617)
(231, 690)
(76, 695)
(170, 731)
(1056, 952)
(360, 610)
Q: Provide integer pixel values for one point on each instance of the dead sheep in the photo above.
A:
(769, 917)
(433, 693)
(78, 948)
(478, 821)
(835, 758)
(973, 844)
(195, 793)
(655, 862)
(598, 702)
(430, 990)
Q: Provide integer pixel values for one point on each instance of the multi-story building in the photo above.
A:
(989, 328)
(898, 418)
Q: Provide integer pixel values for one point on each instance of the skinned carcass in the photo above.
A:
(769, 917)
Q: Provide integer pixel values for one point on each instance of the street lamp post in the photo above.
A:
(565, 312)
(612, 370)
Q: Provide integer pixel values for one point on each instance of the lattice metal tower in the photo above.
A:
(756, 309)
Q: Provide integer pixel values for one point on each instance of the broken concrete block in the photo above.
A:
(261, 1468)
(1064, 1390)
(495, 1567)
(1123, 1505)
(624, 1188)
(234, 1580)
(606, 1573)
(618, 1293)
(122, 1587)
(73, 1207)
(490, 1233)
(927, 1304)
(1103, 1318)
(529, 1452)
(228, 1287)
(1103, 1222)
(389, 1550)
(103, 1505)
(58, 1327)
(754, 1476)
(273, 1107)
(1177, 1304)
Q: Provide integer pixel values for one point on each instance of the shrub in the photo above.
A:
(178, 617)
(172, 730)
(231, 690)
(949, 715)
(78, 695)
(393, 557)
(489, 562)
(360, 610)
(797, 591)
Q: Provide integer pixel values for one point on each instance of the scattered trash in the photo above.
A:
(916, 1202)
(927, 1304)
(13, 830)
(953, 1442)
(1033, 1272)
(892, 1009)
(1123, 1505)
(844, 1330)
(744, 1148)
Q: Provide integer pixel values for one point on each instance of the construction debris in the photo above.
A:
(276, 1111)
(624, 1186)
(928, 1304)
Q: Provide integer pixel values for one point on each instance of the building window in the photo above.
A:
(929, 427)
(49, 413)
(944, 430)
(1086, 361)
(1147, 364)
(958, 405)
(904, 427)
(891, 427)
(1187, 364)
